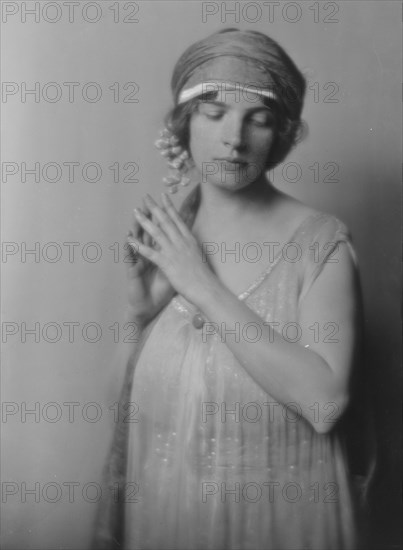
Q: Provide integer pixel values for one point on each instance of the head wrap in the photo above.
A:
(240, 59)
(228, 73)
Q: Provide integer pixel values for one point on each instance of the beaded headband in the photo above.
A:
(204, 88)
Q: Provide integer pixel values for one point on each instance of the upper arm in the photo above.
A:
(329, 313)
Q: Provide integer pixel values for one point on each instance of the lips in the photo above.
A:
(231, 160)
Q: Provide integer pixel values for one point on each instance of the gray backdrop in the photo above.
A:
(72, 294)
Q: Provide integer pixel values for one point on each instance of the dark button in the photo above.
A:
(198, 321)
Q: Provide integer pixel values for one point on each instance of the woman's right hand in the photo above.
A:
(149, 289)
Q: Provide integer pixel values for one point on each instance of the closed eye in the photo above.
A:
(214, 116)
(262, 119)
(211, 111)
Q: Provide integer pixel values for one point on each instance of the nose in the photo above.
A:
(232, 134)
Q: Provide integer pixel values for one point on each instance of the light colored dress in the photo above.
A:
(213, 461)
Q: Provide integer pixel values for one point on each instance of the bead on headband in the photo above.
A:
(204, 88)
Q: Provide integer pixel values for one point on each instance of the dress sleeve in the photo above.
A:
(322, 250)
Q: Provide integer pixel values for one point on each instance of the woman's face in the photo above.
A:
(230, 139)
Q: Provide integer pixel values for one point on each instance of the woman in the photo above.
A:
(246, 357)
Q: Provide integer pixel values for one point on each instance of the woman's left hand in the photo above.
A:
(177, 252)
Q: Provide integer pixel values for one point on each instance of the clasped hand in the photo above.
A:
(177, 252)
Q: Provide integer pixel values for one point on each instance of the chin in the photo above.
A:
(230, 183)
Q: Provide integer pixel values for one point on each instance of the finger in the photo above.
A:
(163, 218)
(147, 240)
(146, 210)
(136, 229)
(157, 233)
(132, 254)
(174, 215)
(143, 250)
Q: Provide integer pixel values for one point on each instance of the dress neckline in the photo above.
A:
(189, 209)
(269, 268)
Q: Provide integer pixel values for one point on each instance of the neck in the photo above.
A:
(224, 206)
